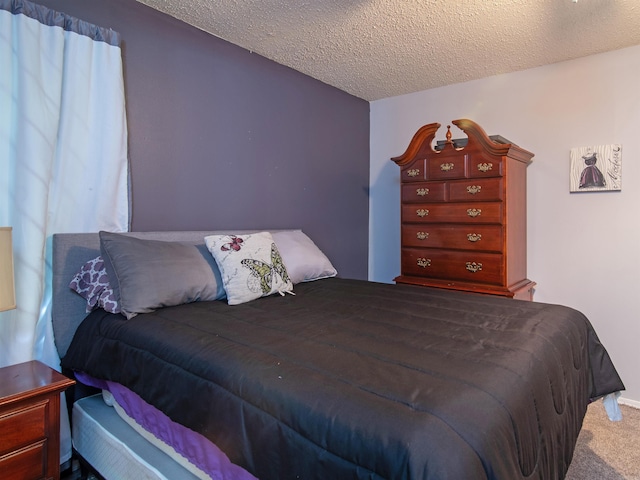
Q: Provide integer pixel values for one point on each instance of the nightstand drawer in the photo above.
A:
(23, 426)
(28, 462)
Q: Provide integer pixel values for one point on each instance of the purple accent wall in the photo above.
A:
(221, 138)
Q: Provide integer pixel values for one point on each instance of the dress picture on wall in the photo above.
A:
(596, 168)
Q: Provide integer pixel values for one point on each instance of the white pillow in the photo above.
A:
(305, 262)
(250, 264)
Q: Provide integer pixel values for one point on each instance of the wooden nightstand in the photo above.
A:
(30, 421)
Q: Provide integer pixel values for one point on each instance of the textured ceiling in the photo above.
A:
(375, 49)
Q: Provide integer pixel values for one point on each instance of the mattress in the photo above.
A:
(115, 449)
(352, 379)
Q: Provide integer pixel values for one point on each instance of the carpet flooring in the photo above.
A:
(607, 450)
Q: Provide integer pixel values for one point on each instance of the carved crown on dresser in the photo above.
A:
(464, 212)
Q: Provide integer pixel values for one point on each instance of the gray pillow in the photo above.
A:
(305, 262)
(149, 274)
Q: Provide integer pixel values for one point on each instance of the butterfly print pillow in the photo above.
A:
(251, 266)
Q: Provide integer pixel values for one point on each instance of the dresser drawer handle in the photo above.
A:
(446, 167)
(421, 192)
(422, 212)
(424, 262)
(414, 172)
(474, 212)
(485, 167)
(474, 237)
(474, 267)
(422, 235)
(473, 189)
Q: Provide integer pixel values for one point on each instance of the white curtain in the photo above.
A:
(63, 157)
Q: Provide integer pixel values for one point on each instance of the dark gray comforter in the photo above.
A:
(351, 380)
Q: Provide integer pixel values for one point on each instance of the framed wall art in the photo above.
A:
(595, 169)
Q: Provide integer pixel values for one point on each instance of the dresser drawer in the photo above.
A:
(23, 426)
(446, 167)
(29, 462)
(453, 265)
(415, 172)
(476, 190)
(486, 238)
(485, 166)
(423, 192)
(473, 213)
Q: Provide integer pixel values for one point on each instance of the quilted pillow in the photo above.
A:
(92, 283)
(250, 265)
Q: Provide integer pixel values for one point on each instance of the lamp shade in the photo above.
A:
(7, 288)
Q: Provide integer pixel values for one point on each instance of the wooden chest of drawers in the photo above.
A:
(464, 213)
(30, 421)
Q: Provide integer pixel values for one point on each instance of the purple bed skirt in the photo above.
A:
(191, 445)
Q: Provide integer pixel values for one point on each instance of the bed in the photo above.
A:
(321, 377)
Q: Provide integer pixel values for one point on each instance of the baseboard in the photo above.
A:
(629, 402)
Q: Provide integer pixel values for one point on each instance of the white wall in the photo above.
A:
(583, 248)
